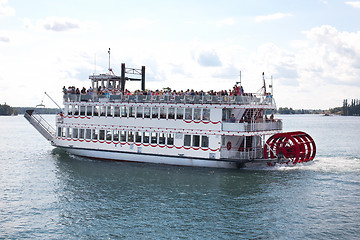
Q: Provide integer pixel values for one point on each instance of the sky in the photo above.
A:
(310, 49)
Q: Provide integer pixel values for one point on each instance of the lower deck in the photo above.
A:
(160, 142)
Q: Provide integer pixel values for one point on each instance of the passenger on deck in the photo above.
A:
(232, 118)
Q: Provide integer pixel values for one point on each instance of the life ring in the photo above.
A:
(228, 145)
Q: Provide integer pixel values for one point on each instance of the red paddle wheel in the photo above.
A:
(290, 148)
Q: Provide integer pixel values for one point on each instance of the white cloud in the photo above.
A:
(333, 56)
(325, 66)
(271, 17)
(58, 24)
(4, 39)
(208, 59)
(355, 4)
(6, 10)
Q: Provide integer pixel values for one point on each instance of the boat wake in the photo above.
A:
(320, 164)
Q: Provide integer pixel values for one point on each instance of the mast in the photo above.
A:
(109, 61)
(264, 83)
(240, 78)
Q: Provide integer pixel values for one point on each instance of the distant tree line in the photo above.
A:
(21, 110)
(298, 111)
(6, 110)
(351, 109)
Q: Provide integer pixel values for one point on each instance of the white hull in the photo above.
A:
(146, 158)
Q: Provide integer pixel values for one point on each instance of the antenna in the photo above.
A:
(240, 79)
(264, 83)
(272, 86)
(109, 61)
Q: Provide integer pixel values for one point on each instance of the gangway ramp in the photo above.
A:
(40, 124)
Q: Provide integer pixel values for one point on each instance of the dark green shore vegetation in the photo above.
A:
(348, 109)
(286, 110)
(6, 110)
(351, 109)
(21, 110)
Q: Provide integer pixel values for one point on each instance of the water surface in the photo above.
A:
(48, 194)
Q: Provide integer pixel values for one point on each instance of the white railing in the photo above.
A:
(248, 153)
(248, 99)
(45, 128)
(258, 126)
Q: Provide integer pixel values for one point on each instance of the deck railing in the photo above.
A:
(243, 154)
(248, 99)
(266, 125)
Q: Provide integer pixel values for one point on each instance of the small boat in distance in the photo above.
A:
(222, 129)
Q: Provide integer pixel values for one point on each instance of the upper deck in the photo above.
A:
(259, 100)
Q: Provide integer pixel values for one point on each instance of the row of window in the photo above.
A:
(141, 112)
(132, 136)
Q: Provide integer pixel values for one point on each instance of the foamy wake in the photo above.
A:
(320, 164)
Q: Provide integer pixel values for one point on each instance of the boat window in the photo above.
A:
(179, 113)
(204, 141)
(101, 134)
(162, 112)
(139, 112)
(102, 110)
(162, 138)
(69, 110)
(146, 137)
(188, 113)
(123, 110)
(115, 135)
(88, 133)
(75, 110)
(146, 112)
(109, 111)
(131, 137)
(75, 133)
(171, 113)
(226, 114)
(59, 132)
(63, 133)
(131, 112)
(206, 114)
(197, 114)
(95, 134)
(155, 112)
(82, 110)
(153, 137)
(196, 141)
(123, 136)
(89, 110)
(138, 137)
(116, 112)
(108, 135)
(170, 139)
(96, 110)
(187, 140)
(81, 133)
(68, 132)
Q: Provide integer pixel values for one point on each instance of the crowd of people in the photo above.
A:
(236, 91)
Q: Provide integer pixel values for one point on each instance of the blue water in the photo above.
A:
(47, 194)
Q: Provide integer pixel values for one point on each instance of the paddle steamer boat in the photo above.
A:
(201, 130)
